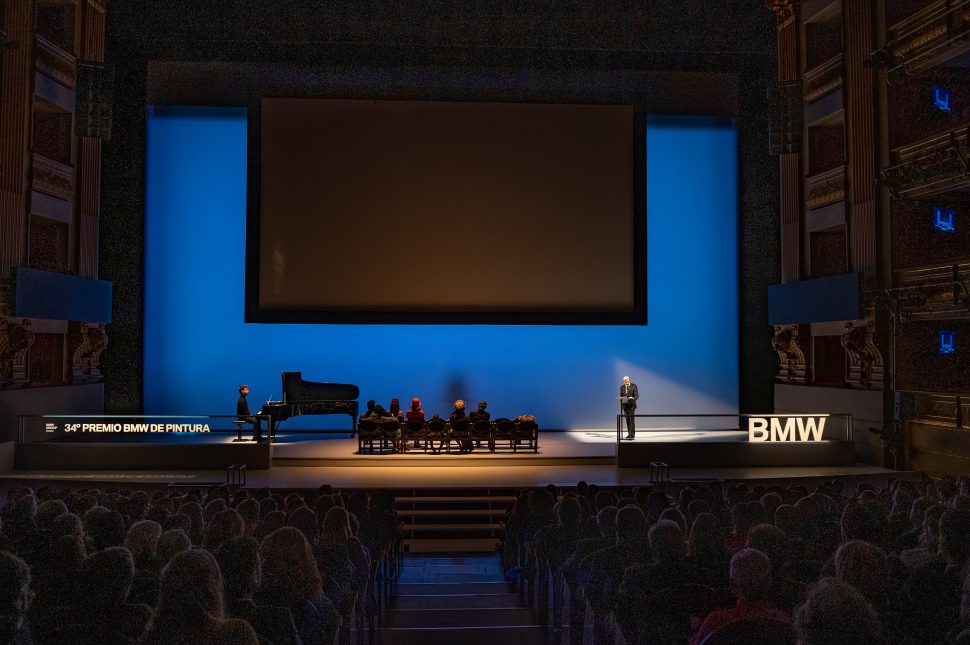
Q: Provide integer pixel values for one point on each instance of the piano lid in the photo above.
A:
(296, 390)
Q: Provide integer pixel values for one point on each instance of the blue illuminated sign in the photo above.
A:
(947, 340)
(941, 98)
(944, 219)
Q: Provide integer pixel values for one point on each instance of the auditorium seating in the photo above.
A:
(864, 564)
(114, 565)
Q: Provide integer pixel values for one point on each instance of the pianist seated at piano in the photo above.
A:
(243, 413)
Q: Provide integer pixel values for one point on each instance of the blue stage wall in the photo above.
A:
(198, 349)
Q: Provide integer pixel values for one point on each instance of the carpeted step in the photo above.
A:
(463, 617)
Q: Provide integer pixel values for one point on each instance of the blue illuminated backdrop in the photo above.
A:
(198, 348)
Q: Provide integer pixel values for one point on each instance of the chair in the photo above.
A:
(480, 431)
(753, 631)
(504, 430)
(391, 432)
(414, 430)
(437, 431)
(368, 431)
(459, 433)
(526, 431)
(239, 423)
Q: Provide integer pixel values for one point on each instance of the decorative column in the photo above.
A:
(15, 109)
(860, 119)
(786, 13)
(89, 153)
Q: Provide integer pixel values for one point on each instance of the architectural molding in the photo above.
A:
(88, 341)
(792, 365)
(15, 341)
(865, 359)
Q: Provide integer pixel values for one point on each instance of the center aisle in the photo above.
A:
(443, 599)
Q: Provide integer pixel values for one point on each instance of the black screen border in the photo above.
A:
(636, 316)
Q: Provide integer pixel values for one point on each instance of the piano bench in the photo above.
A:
(239, 423)
(236, 475)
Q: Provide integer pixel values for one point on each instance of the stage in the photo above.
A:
(306, 460)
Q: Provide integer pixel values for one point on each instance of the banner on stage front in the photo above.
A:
(786, 428)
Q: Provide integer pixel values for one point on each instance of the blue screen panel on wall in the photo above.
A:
(942, 96)
(944, 219)
(198, 347)
(947, 342)
(828, 299)
(61, 296)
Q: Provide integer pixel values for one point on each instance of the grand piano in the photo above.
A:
(309, 397)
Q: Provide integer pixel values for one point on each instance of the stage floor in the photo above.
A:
(571, 444)
(303, 460)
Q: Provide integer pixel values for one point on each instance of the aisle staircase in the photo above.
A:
(446, 520)
(450, 598)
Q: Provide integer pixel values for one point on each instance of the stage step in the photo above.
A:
(439, 520)
(454, 545)
(456, 598)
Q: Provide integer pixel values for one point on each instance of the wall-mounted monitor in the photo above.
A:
(944, 219)
(942, 98)
(947, 342)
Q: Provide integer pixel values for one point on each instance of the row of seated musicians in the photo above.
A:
(396, 428)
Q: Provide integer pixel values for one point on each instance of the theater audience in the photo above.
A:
(170, 543)
(239, 562)
(835, 613)
(605, 568)
(291, 580)
(142, 543)
(190, 605)
(15, 599)
(99, 611)
(750, 583)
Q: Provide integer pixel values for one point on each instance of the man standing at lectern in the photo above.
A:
(628, 403)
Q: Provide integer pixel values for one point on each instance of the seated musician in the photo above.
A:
(458, 414)
(381, 415)
(415, 413)
(369, 412)
(243, 413)
(481, 414)
(395, 409)
(459, 418)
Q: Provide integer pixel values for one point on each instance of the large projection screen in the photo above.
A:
(434, 211)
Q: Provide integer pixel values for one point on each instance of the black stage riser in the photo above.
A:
(736, 454)
(140, 456)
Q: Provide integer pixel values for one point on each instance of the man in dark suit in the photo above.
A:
(628, 403)
(243, 413)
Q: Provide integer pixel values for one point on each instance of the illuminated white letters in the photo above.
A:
(792, 429)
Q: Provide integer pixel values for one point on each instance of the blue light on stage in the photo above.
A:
(944, 219)
(198, 348)
(947, 342)
(941, 98)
